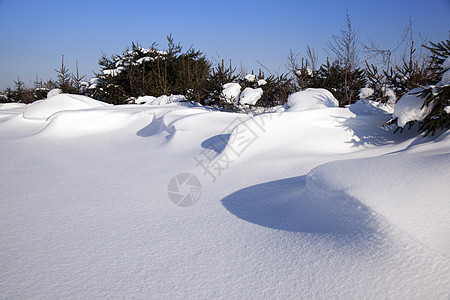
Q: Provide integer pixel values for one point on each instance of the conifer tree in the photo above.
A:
(77, 80)
(64, 78)
(345, 52)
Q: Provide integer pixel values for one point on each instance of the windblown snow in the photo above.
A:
(314, 202)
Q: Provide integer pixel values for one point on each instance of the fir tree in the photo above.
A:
(64, 78)
(344, 48)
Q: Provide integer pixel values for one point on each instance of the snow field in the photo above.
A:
(321, 203)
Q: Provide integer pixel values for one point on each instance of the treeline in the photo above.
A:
(139, 71)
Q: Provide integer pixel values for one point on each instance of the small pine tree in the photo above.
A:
(77, 80)
(19, 91)
(64, 78)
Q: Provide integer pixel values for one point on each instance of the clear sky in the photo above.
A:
(34, 34)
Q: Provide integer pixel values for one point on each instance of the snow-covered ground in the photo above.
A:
(97, 201)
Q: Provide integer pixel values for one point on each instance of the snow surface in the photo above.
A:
(312, 98)
(314, 204)
(409, 108)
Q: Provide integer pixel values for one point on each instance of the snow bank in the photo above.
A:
(94, 211)
(42, 109)
(409, 108)
(311, 98)
(250, 96)
(231, 92)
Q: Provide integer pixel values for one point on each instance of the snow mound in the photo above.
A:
(409, 108)
(250, 96)
(311, 98)
(414, 199)
(231, 92)
(92, 121)
(43, 109)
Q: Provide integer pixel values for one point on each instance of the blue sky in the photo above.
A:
(34, 34)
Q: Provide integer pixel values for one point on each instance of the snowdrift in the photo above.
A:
(43, 109)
